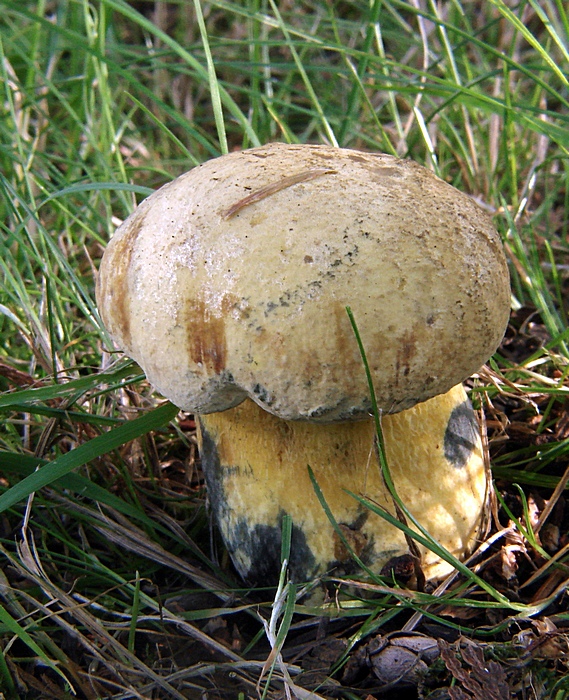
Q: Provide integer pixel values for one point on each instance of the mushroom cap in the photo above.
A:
(232, 281)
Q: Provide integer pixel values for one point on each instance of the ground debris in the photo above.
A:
(479, 679)
(399, 659)
(545, 642)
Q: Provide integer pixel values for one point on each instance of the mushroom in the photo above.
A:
(229, 287)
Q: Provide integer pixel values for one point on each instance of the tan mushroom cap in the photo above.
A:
(232, 282)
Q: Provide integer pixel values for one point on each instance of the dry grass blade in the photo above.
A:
(58, 604)
(129, 537)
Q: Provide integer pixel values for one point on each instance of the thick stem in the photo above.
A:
(256, 471)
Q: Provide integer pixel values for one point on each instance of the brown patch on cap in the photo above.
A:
(345, 338)
(207, 344)
(114, 299)
(405, 353)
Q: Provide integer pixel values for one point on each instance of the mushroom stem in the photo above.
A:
(255, 466)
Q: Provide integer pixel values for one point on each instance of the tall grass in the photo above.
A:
(109, 583)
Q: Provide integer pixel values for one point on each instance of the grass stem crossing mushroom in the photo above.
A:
(229, 287)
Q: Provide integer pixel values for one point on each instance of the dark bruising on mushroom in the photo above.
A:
(262, 546)
(462, 435)
(259, 543)
(116, 296)
(273, 188)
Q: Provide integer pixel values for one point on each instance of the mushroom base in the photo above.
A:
(255, 466)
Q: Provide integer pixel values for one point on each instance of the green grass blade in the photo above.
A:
(212, 79)
(15, 628)
(96, 447)
(134, 615)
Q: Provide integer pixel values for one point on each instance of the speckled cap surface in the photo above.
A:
(232, 282)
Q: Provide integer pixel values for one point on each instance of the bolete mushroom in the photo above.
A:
(229, 287)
